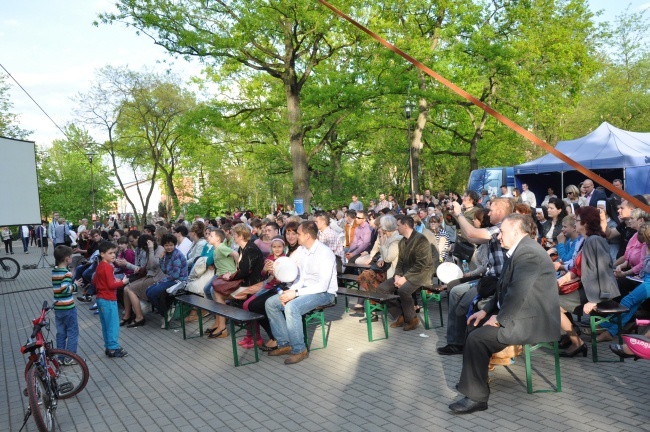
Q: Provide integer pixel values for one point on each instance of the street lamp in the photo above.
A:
(90, 157)
(408, 109)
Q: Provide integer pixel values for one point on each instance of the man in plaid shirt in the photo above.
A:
(330, 238)
(457, 325)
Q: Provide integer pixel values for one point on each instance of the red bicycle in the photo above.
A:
(51, 374)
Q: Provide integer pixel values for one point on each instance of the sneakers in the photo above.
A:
(85, 298)
(69, 362)
(120, 352)
(93, 307)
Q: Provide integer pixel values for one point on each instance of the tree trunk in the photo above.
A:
(416, 142)
(298, 154)
(335, 176)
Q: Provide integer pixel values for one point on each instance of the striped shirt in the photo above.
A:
(63, 287)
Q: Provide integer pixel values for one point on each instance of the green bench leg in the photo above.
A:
(426, 298)
(198, 311)
(529, 375)
(182, 306)
(306, 319)
(369, 309)
(233, 338)
(594, 321)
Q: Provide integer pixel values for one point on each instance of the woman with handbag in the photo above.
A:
(249, 273)
(146, 272)
(385, 252)
(591, 277)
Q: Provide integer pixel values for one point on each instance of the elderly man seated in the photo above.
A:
(523, 311)
(414, 269)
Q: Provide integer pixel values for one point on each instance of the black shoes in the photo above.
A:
(450, 350)
(85, 298)
(467, 406)
(580, 350)
(136, 323)
(618, 350)
(117, 353)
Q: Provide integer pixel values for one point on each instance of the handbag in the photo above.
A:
(225, 287)
(67, 240)
(464, 251)
(569, 287)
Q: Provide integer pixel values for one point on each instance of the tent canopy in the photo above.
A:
(606, 147)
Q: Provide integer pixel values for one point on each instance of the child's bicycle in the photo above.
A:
(51, 374)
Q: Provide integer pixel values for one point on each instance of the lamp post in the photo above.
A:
(90, 157)
(408, 109)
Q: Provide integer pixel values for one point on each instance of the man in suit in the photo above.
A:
(414, 269)
(593, 195)
(525, 310)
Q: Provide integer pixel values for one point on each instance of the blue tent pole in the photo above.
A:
(562, 183)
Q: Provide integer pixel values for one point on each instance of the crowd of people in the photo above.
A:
(526, 268)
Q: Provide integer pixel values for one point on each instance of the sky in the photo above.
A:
(53, 49)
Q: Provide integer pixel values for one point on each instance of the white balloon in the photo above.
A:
(285, 270)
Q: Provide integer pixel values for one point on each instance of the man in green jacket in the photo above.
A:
(414, 269)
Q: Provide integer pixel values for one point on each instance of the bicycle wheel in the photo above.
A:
(71, 372)
(9, 268)
(41, 401)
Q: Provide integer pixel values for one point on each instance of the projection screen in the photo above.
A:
(18, 183)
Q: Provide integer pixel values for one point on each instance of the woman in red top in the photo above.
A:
(107, 286)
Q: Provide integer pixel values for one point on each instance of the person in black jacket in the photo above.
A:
(249, 271)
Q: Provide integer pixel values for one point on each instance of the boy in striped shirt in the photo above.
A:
(65, 312)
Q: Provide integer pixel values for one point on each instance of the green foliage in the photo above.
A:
(65, 179)
(8, 120)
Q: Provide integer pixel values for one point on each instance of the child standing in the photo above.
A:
(107, 287)
(65, 312)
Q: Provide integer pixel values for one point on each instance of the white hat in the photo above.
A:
(285, 270)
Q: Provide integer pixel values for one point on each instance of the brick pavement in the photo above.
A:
(169, 384)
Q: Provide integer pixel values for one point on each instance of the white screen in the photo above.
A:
(19, 202)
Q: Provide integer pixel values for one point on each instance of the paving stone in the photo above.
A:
(398, 384)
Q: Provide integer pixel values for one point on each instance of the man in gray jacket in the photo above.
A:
(525, 310)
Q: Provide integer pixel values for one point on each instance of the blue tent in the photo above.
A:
(606, 150)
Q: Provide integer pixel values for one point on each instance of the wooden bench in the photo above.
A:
(357, 266)
(380, 300)
(236, 317)
(432, 293)
(313, 315)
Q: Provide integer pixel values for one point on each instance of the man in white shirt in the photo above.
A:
(527, 197)
(505, 192)
(316, 286)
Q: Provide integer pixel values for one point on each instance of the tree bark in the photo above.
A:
(298, 153)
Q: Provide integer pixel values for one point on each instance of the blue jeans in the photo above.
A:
(110, 323)
(25, 243)
(207, 289)
(289, 331)
(67, 329)
(155, 291)
(632, 301)
(457, 325)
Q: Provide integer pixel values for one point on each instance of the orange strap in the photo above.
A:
(512, 125)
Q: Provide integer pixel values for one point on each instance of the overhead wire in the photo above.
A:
(41, 108)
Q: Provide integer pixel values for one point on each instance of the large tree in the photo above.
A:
(285, 39)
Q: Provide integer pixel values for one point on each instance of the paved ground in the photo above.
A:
(398, 384)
